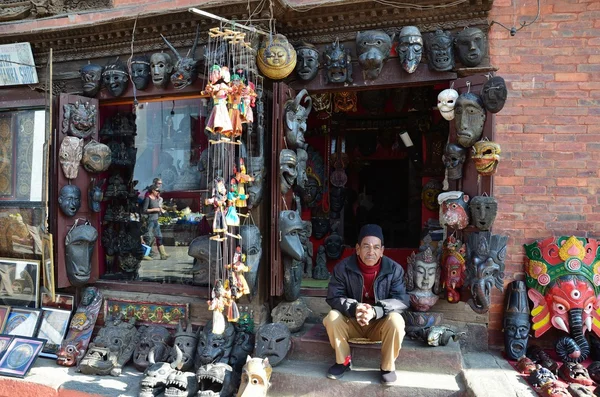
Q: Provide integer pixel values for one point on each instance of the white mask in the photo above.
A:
(446, 101)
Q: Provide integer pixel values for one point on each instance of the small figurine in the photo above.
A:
(218, 200)
(235, 100)
(239, 268)
(247, 103)
(217, 306)
(219, 121)
(232, 218)
(242, 178)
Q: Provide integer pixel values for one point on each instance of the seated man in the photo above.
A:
(367, 295)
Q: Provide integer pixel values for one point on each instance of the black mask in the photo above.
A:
(91, 78)
(252, 247)
(483, 211)
(79, 245)
(338, 63)
(337, 198)
(320, 226)
(494, 94)
(470, 46)
(140, 68)
(115, 78)
(307, 65)
(69, 200)
(373, 48)
(154, 337)
(161, 66)
(334, 246)
(469, 118)
(214, 348)
(256, 169)
(439, 51)
(516, 320)
(273, 341)
(186, 340)
(95, 194)
(454, 157)
(410, 48)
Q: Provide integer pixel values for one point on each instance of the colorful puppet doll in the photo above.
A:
(232, 217)
(242, 178)
(218, 88)
(217, 305)
(239, 268)
(218, 200)
(235, 100)
(248, 100)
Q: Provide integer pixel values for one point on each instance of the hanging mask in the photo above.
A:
(276, 57)
(69, 155)
(96, 157)
(486, 156)
(273, 341)
(79, 245)
(291, 314)
(430, 193)
(337, 198)
(410, 48)
(322, 105)
(307, 66)
(115, 78)
(469, 118)
(470, 46)
(345, 101)
(483, 211)
(256, 169)
(186, 68)
(320, 226)
(439, 51)
(494, 94)
(95, 194)
(79, 119)
(446, 102)
(252, 248)
(91, 78)
(334, 246)
(69, 200)
(373, 48)
(161, 67)
(290, 227)
(454, 209)
(338, 63)
(302, 177)
(140, 69)
(296, 114)
(454, 157)
(313, 190)
(287, 169)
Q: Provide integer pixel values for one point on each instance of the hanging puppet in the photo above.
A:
(218, 88)
(218, 201)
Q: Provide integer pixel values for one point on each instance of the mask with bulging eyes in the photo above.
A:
(273, 341)
(96, 157)
(446, 102)
(453, 158)
(439, 51)
(486, 155)
(70, 154)
(373, 48)
(338, 63)
(69, 200)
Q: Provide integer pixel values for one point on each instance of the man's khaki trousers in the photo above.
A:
(389, 330)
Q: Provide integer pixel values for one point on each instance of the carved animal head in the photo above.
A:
(186, 68)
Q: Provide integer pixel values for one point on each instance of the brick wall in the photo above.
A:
(549, 129)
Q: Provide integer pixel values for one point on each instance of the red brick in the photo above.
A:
(572, 77)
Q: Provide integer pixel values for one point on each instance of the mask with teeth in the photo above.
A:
(154, 337)
(157, 374)
(291, 314)
(439, 51)
(255, 377)
(273, 341)
(186, 341)
(214, 348)
(181, 384)
(214, 380)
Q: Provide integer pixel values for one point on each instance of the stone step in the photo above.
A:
(312, 345)
(308, 378)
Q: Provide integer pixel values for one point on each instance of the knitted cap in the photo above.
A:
(370, 230)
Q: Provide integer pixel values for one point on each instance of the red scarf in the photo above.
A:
(369, 273)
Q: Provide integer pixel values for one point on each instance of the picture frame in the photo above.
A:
(4, 312)
(21, 287)
(22, 321)
(53, 328)
(20, 355)
(4, 342)
(48, 264)
(167, 314)
(60, 301)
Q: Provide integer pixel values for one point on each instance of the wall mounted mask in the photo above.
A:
(296, 114)
(320, 226)
(291, 314)
(256, 169)
(486, 155)
(494, 94)
(290, 227)
(453, 267)
(69, 156)
(161, 67)
(79, 245)
(186, 68)
(469, 118)
(483, 211)
(91, 78)
(454, 157)
(345, 101)
(440, 53)
(334, 246)
(276, 57)
(287, 169)
(337, 200)
(115, 78)
(338, 63)
(95, 194)
(140, 69)
(454, 209)
(470, 46)
(252, 247)
(423, 279)
(410, 48)
(273, 341)
(446, 103)
(307, 66)
(79, 119)
(96, 156)
(302, 177)
(516, 320)
(373, 48)
(429, 194)
(69, 200)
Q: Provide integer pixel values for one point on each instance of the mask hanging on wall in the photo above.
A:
(494, 94)
(302, 177)
(290, 226)
(96, 156)
(186, 68)
(429, 194)
(454, 157)
(516, 320)
(252, 248)
(345, 101)
(440, 53)
(140, 69)
(79, 246)
(95, 194)
(296, 114)
(70, 154)
(446, 103)
(453, 267)
(69, 200)
(338, 63)
(115, 78)
(276, 58)
(373, 48)
(410, 48)
(486, 155)
(470, 46)
(483, 211)
(334, 246)
(79, 119)
(469, 118)
(161, 67)
(307, 65)
(454, 209)
(91, 78)
(287, 169)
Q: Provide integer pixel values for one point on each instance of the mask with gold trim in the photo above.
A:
(486, 155)
(276, 57)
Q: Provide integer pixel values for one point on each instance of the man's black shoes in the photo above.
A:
(336, 371)
(388, 377)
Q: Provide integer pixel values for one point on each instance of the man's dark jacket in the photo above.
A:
(346, 288)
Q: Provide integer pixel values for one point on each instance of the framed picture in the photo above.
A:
(19, 282)
(48, 264)
(4, 342)
(22, 321)
(20, 356)
(148, 313)
(4, 312)
(53, 328)
(60, 301)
